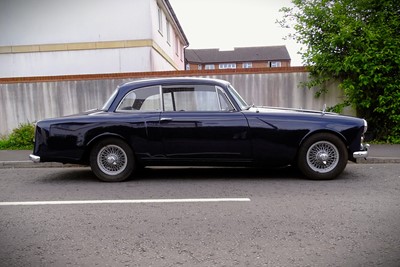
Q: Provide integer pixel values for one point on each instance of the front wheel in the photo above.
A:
(112, 160)
(322, 156)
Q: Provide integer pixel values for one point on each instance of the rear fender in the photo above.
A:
(103, 135)
(97, 138)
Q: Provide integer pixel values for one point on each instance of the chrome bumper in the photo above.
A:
(34, 158)
(363, 153)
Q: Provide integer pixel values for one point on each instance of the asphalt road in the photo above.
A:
(280, 220)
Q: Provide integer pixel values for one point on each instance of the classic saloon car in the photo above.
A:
(195, 121)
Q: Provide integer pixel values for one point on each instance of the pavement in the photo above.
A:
(10, 159)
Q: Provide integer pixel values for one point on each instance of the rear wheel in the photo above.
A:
(322, 156)
(112, 160)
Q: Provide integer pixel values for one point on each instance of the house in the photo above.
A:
(244, 57)
(58, 37)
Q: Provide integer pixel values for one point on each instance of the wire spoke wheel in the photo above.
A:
(112, 159)
(322, 157)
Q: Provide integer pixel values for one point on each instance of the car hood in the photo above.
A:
(263, 109)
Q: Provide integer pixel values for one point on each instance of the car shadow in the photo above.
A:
(211, 173)
(163, 174)
(67, 175)
(84, 175)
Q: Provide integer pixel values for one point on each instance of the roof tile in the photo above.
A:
(241, 54)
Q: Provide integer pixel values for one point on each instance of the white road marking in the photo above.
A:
(124, 201)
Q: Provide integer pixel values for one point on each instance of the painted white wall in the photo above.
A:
(158, 64)
(40, 22)
(27, 22)
(161, 38)
(73, 62)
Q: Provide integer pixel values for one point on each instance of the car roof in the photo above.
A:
(124, 88)
(170, 81)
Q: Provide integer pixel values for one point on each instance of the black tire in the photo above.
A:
(112, 160)
(322, 156)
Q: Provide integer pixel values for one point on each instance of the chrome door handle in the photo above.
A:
(165, 119)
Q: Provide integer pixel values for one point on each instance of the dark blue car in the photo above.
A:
(194, 121)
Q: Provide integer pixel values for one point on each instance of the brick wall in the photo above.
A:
(239, 65)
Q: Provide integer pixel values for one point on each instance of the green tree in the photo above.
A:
(356, 42)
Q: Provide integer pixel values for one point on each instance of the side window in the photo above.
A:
(224, 102)
(142, 99)
(168, 103)
(195, 98)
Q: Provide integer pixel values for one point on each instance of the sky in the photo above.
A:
(226, 24)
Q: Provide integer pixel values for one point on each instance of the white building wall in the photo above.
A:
(27, 22)
(76, 62)
(158, 63)
(58, 37)
(161, 37)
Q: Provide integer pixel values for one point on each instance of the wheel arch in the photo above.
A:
(322, 131)
(97, 139)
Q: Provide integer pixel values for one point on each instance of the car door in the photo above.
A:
(200, 123)
(140, 111)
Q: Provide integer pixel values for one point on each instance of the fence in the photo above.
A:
(33, 98)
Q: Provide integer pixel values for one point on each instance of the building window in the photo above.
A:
(210, 67)
(188, 66)
(168, 32)
(247, 65)
(177, 45)
(160, 20)
(227, 66)
(199, 67)
(274, 64)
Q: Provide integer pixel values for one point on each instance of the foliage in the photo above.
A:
(356, 42)
(20, 138)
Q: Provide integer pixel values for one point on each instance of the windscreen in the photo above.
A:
(237, 97)
(110, 101)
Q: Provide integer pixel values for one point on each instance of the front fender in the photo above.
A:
(338, 134)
